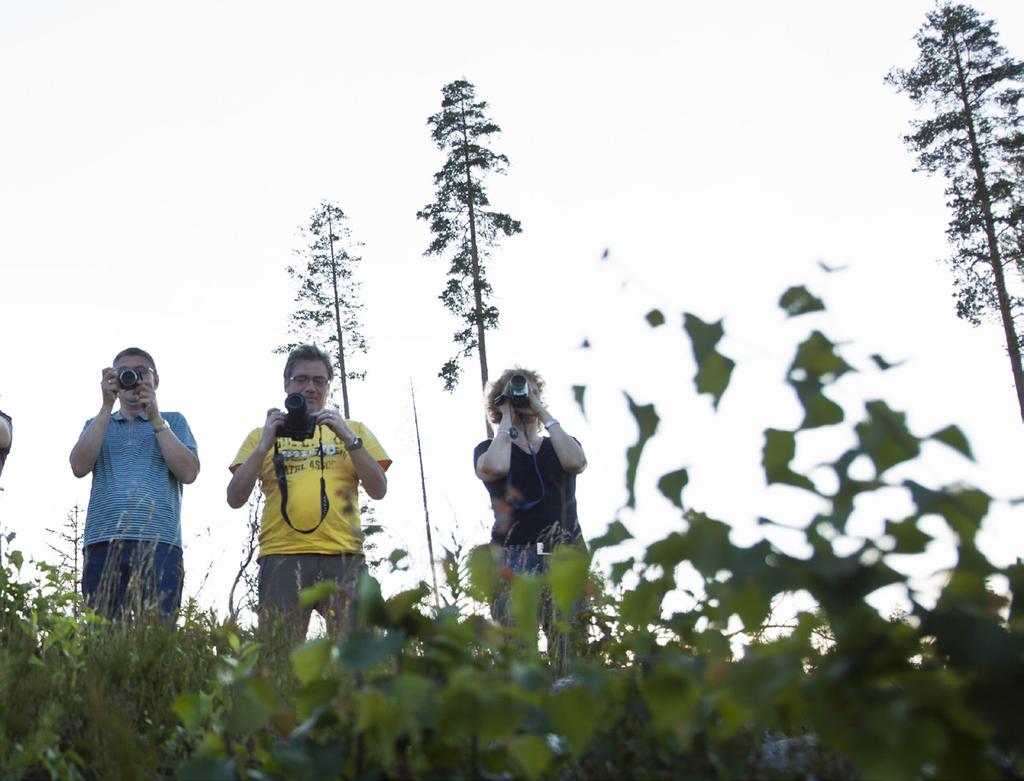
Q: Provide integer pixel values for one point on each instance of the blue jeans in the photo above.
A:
(129, 577)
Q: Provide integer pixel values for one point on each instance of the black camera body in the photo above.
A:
(299, 424)
(517, 392)
(128, 378)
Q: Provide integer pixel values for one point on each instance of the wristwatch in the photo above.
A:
(356, 444)
(164, 427)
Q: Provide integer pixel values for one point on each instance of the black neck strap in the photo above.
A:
(282, 484)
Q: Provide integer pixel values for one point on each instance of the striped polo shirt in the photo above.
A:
(134, 495)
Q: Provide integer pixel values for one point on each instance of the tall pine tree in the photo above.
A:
(976, 139)
(461, 221)
(328, 294)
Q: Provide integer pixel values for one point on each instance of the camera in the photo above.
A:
(299, 424)
(517, 392)
(128, 378)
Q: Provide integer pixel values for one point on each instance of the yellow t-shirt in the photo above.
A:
(341, 531)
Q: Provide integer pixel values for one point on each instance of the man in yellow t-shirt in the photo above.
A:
(310, 464)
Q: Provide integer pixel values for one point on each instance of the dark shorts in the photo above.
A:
(284, 576)
(130, 577)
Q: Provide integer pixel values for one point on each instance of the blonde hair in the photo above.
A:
(496, 388)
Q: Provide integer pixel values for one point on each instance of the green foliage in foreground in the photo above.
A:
(655, 690)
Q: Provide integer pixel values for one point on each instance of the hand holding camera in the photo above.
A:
(109, 387)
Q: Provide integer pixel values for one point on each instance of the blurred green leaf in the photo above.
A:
(883, 364)
(483, 572)
(253, 703)
(309, 597)
(668, 552)
(370, 605)
(819, 410)
(208, 769)
(574, 714)
(396, 556)
(314, 696)
(532, 754)
(954, 438)
(909, 538)
(816, 365)
(713, 369)
(310, 659)
(524, 598)
(798, 301)
(885, 438)
(578, 392)
(567, 576)
(963, 508)
(362, 650)
(186, 707)
(620, 568)
(655, 318)
(672, 484)
(647, 421)
(404, 603)
(816, 357)
(779, 449)
(641, 605)
(670, 694)
(615, 534)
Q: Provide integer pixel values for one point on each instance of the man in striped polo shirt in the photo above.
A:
(139, 458)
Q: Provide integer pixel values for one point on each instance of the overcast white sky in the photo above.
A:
(156, 160)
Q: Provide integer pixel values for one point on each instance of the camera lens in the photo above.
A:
(128, 378)
(518, 393)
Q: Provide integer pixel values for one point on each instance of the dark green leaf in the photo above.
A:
(885, 438)
(779, 449)
(404, 603)
(532, 754)
(798, 301)
(578, 391)
(883, 364)
(909, 538)
(616, 533)
(310, 659)
(313, 595)
(669, 551)
(362, 650)
(568, 576)
(672, 484)
(647, 421)
(963, 508)
(524, 599)
(253, 703)
(641, 606)
(713, 369)
(574, 714)
(954, 437)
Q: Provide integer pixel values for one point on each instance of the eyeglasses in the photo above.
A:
(302, 379)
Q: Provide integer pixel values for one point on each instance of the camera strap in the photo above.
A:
(282, 484)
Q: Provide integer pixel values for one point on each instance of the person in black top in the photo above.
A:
(531, 479)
